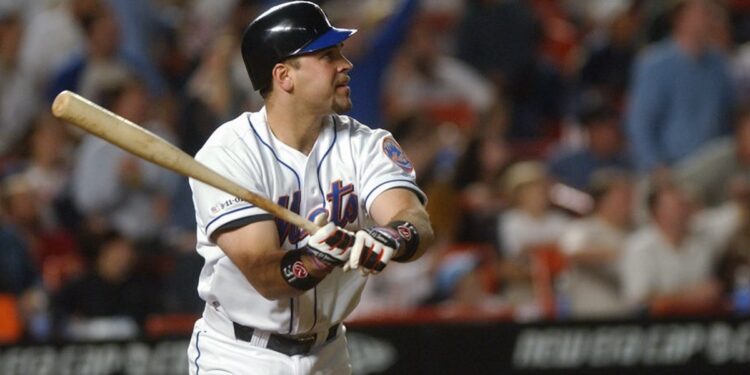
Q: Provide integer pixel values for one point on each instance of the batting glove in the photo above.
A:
(372, 249)
(330, 244)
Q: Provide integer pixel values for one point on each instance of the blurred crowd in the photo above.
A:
(582, 159)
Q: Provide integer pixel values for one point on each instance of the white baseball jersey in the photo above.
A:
(348, 167)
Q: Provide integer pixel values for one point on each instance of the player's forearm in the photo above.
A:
(265, 274)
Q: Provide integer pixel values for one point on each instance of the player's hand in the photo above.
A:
(372, 249)
(330, 244)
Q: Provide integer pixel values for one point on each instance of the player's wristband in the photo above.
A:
(410, 238)
(295, 273)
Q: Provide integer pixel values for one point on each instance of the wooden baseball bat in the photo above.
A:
(127, 135)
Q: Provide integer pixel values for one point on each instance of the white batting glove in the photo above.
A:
(330, 244)
(372, 249)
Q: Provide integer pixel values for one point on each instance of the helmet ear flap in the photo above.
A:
(283, 31)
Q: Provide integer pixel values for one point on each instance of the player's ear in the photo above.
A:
(281, 75)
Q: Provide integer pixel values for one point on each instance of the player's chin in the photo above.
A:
(342, 105)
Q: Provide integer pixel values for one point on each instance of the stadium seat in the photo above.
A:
(547, 263)
(11, 327)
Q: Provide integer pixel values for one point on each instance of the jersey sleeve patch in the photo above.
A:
(393, 151)
(224, 205)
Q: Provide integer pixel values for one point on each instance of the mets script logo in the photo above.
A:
(342, 209)
(397, 155)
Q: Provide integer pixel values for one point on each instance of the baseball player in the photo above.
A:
(276, 295)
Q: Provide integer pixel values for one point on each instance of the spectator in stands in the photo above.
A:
(48, 168)
(179, 294)
(211, 83)
(42, 178)
(529, 224)
(387, 295)
(682, 95)
(20, 273)
(204, 20)
(21, 208)
(247, 98)
(19, 269)
(218, 88)
(604, 148)
(501, 39)
(49, 244)
(140, 21)
(668, 264)
(426, 79)
(53, 36)
(18, 97)
(110, 289)
(594, 246)
(459, 283)
(498, 38)
(531, 220)
(120, 189)
(486, 155)
(734, 268)
(558, 37)
(102, 62)
(711, 170)
(20, 278)
(382, 26)
(741, 72)
(606, 68)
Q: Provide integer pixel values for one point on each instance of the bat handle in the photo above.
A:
(307, 226)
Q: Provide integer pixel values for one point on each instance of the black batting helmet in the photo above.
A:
(286, 30)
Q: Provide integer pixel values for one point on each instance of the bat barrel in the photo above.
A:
(127, 135)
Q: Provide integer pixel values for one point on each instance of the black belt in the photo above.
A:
(288, 345)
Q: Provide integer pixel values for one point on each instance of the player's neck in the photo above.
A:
(296, 129)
